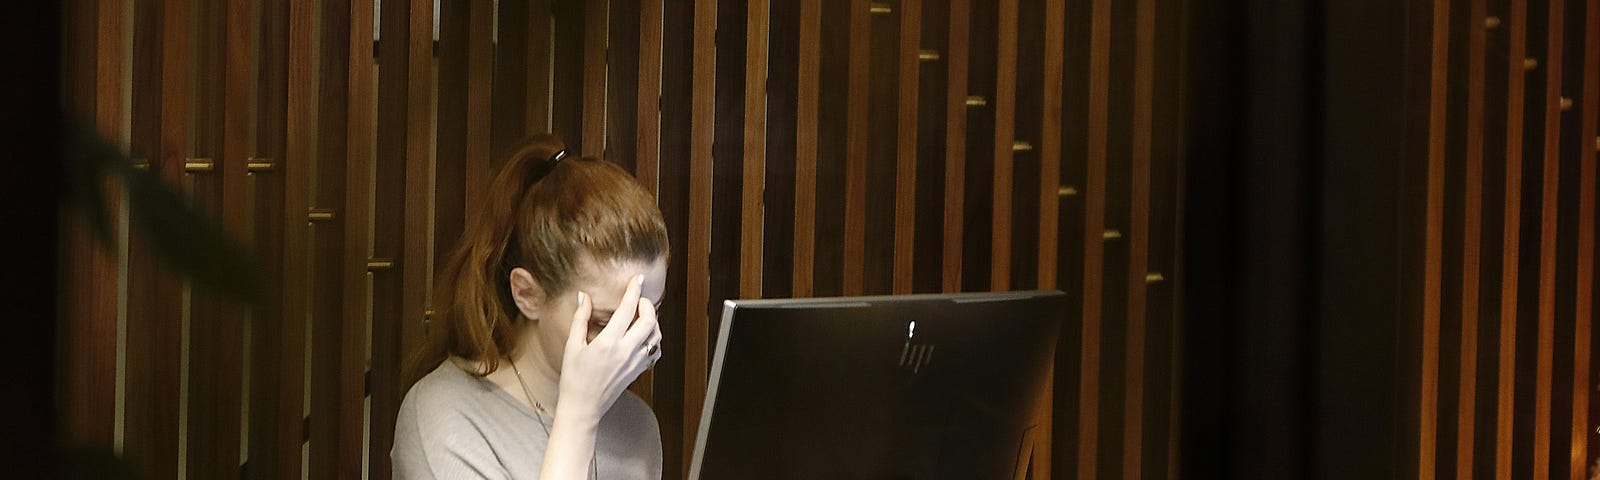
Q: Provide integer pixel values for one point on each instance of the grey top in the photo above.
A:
(453, 425)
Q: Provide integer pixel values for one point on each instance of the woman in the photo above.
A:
(548, 313)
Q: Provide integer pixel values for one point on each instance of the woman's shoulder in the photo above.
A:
(445, 387)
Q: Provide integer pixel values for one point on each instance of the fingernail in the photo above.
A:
(638, 280)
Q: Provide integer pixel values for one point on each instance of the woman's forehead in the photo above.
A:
(607, 282)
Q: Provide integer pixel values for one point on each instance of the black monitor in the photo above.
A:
(891, 387)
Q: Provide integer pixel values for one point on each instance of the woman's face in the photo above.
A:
(604, 282)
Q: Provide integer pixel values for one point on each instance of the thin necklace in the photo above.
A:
(594, 464)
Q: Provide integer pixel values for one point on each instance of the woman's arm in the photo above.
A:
(593, 375)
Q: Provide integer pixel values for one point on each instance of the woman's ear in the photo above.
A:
(525, 291)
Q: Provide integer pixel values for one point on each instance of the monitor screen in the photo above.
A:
(892, 387)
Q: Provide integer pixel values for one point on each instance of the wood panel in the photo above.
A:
(566, 72)
(753, 185)
(677, 77)
(327, 295)
(782, 144)
(450, 133)
(696, 324)
(625, 107)
(1138, 236)
(539, 33)
(955, 149)
(1050, 141)
(1472, 233)
(1584, 309)
(807, 115)
(647, 167)
(354, 321)
(1434, 231)
(1093, 244)
(519, 69)
(155, 304)
(882, 130)
(267, 333)
(478, 150)
(1547, 240)
(905, 204)
(296, 168)
(216, 341)
(400, 220)
(1512, 240)
(1005, 105)
(597, 22)
(88, 374)
(1050, 157)
(855, 188)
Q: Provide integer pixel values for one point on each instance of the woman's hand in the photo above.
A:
(594, 374)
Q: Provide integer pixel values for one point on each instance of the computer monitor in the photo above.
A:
(892, 387)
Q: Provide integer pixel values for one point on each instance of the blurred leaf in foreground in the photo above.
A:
(186, 241)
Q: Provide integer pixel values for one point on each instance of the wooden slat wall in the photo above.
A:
(328, 299)
(160, 47)
(1529, 369)
(216, 340)
(355, 281)
(360, 188)
(96, 92)
(1583, 406)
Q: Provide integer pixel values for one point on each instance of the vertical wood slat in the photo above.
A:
(806, 124)
(1582, 326)
(201, 420)
(327, 298)
(1471, 253)
(480, 94)
(855, 183)
(702, 116)
(266, 326)
(516, 71)
(399, 220)
(1049, 200)
(418, 178)
(87, 382)
(1093, 244)
(1512, 243)
(1138, 230)
(755, 149)
(1005, 106)
(1050, 141)
(754, 172)
(648, 166)
(955, 142)
(905, 194)
(295, 168)
(597, 20)
(360, 128)
(539, 33)
(450, 185)
(154, 303)
(1547, 241)
(215, 362)
(1433, 240)
(232, 165)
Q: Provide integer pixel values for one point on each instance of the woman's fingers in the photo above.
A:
(625, 310)
(580, 323)
(641, 329)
